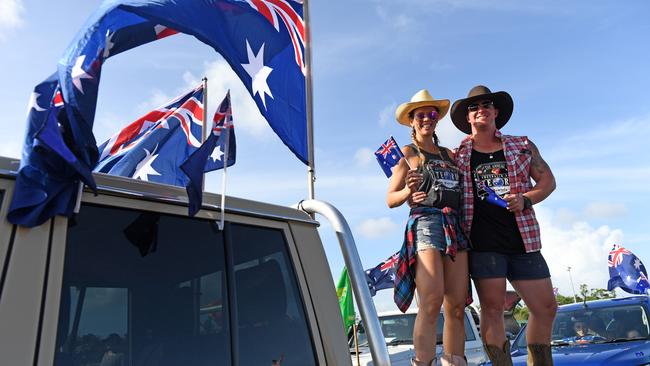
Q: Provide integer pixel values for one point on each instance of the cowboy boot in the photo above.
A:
(539, 355)
(452, 360)
(499, 356)
(415, 362)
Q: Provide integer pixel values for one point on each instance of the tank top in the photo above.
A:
(494, 228)
(441, 180)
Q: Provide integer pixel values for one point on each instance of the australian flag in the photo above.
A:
(262, 40)
(383, 275)
(491, 196)
(153, 147)
(626, 271)
(218, 150)
(47, 181)
(388, 155)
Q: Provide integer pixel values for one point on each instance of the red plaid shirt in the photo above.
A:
(518, 157)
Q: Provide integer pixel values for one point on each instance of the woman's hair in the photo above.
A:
(436, 141)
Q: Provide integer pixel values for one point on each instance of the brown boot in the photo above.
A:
(499, 356)
(452, 360)
(539, 355)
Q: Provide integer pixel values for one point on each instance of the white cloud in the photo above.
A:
(448, 134)
(577, 245)
(606, 210)
(364, 156)
(376, 228)
(11, 15)
(387, 114)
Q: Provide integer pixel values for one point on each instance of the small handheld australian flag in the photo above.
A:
(388, 155)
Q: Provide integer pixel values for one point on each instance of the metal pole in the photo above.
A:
(356, 342)
(575, 298)
(358, 277)
(204, 132)
(311, 170)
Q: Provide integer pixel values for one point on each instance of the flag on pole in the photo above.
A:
(388, 155)
(153, 147)
(346, 302)
(383, 275)
(217, 152)
(626, 271)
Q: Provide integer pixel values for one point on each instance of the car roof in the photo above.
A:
(409, 311)
(595, 304)
(127, 187)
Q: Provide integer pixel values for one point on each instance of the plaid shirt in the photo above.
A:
(518, 157)
(404, 288)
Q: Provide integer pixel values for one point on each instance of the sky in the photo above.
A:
(577, 72)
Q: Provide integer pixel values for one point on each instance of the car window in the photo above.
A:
(271, 322)
(142, 289)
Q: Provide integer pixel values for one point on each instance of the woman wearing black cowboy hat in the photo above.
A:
(434, 254)
(505, 239)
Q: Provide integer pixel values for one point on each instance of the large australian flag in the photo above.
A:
(626, 271)
(262, 40)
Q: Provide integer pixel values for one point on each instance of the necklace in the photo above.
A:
(491, 156)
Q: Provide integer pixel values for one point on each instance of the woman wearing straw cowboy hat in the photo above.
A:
(505, 240)
(434, 255)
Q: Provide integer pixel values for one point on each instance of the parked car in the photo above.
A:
(398, 332)
(602, 332)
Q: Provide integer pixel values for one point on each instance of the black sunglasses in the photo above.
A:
(485, 104)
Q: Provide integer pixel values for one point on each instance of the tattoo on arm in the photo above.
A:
(537, 162)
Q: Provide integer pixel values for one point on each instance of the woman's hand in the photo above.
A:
(413, 180)
(416, 198)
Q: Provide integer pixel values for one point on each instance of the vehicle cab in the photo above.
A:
(132, 280)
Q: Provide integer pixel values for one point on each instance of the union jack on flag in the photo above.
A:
(626, 272)
(388, 155)
(382, 276)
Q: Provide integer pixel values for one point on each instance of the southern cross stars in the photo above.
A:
(33, 103)
(258, 72)
(79, 73)
(144, 169)
(217, 153)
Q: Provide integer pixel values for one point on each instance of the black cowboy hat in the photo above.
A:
(502, 101)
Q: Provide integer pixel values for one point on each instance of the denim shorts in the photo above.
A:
(429, 233)
(526, 266)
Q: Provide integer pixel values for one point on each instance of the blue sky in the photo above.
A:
(576, 70)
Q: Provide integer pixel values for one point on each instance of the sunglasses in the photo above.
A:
(485, 104)
(421, 116)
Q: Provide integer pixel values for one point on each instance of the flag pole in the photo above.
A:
(204, 131)
(311, 177)
(225, 167)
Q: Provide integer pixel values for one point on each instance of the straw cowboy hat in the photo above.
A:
(502, 101)
(420, 99)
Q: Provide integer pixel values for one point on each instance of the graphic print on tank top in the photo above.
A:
(494, 175)
(441, 182)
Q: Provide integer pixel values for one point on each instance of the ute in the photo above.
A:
(131, 280)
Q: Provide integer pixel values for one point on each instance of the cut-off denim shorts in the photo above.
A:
(429, 234)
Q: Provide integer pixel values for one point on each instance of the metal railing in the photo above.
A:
(358, 281)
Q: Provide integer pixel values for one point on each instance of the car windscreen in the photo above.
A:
(611, 324)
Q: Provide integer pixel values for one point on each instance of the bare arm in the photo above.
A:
(398, 191)
(544, 182)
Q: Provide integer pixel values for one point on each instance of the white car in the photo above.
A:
(398, 332)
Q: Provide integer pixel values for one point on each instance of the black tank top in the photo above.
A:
(494, 228)
(441, 180)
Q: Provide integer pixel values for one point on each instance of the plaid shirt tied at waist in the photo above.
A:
(404, 288)
(518, 157)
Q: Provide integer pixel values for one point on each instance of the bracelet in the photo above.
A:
(527, 202)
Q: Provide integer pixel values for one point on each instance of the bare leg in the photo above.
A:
(430, 287)
(492, 293)
(538, 296)
(456, 283)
